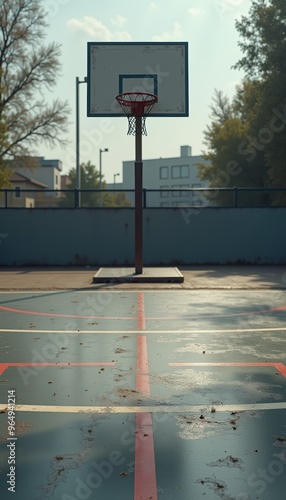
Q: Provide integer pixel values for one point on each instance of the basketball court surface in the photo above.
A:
(155, 394)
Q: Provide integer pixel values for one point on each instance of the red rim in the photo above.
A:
(148, 99)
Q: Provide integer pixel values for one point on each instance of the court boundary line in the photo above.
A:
(114, 410)
(136, 331)
(60, 364)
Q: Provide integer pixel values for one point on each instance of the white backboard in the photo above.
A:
(154, 67)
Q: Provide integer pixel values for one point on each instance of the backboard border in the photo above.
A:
(153, 115)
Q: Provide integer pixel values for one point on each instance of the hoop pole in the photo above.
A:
(138, 166)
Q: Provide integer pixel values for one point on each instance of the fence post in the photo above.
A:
(144, 197)
(76, 198)
(6, 198)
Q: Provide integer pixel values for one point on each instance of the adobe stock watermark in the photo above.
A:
(102, 471)
(227, 7)
(247, 148)
(87, 309)
(264, 477)
(265, 135)
(90, 140)
(53, 7)
(232, 170)
(51, 350)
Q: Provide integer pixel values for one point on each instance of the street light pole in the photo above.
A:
(114, 180)
(100, 172)
(78, 173)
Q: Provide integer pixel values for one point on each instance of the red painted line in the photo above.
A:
(141, 319)
(145, 484)
(58, 315)
(279, 366)
(4, 366)
(103, 363)
(142, 377)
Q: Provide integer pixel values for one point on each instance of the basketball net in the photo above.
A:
(136, 106)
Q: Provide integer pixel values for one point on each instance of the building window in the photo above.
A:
(164, 204)
(164, 194)
(176, 172)
(185, 171)
(17, 193)
(56, 180)
(164, 173)
(180, 171)
(177, 190)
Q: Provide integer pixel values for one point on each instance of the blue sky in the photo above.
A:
(207, 25)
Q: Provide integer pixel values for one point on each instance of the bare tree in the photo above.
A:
(28, 67)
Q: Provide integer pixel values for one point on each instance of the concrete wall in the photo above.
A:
(171, 236)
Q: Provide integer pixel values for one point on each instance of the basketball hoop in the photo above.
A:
(136, 105)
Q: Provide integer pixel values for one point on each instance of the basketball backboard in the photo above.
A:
(154, 67)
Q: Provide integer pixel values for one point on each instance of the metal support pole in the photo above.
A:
(77, 145)
(78, 176)
(138, 166)
(100, 177)
(105, 150)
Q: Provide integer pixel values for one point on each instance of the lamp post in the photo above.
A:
(100, 172)
(114, 180)
(78, 176)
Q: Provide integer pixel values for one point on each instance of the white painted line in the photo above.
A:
(170, 290)
(159, 332)
(146, 409)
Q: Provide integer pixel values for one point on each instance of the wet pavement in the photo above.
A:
(155, 394)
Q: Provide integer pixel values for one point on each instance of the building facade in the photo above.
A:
(47, 172)
(166, 180)
(24, 192)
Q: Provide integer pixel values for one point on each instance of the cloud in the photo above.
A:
(196, 11)
(176, 34)
(118, 21)
(96, 30)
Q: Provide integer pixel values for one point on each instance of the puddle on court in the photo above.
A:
(196, 427)
(185, 379)
(196, 380)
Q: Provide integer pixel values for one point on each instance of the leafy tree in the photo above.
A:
(228, 157)
(251, 129)
(90, 180)
(28, 66)
(263, 34)
(263, 43)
